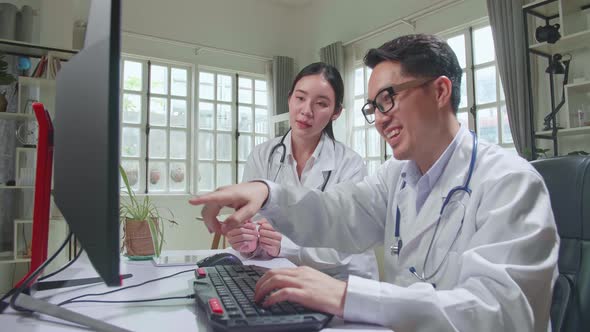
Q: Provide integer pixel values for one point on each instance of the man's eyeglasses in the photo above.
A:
(384, 101)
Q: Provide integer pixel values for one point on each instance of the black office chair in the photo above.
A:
(568, 181)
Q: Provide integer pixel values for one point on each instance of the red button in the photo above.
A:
(201, 273)
(215, 306)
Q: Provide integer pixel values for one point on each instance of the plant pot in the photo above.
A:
(138, 238)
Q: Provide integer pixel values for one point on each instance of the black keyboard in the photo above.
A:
(226, 293)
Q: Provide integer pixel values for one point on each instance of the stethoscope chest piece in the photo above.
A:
(396, 247)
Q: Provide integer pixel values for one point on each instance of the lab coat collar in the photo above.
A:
(323, 156)
(453, 175)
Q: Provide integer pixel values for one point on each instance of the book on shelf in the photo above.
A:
(48, 67)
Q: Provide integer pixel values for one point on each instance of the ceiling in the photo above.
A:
(290, 3)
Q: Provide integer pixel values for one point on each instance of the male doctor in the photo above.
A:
(470, 239)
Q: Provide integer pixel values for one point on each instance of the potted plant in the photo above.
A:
(5, 79)
(143, 226)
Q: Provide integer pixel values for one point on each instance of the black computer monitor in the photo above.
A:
(86, 155)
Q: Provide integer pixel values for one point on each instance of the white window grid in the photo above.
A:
(247, 125)
(365, 138)
(492, 118)
(170, 172)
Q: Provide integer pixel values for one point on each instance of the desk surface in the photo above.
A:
(157, 316)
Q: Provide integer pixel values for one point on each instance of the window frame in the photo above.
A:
(143, 126)
(366, 128)
(235, 162)
(467, 30)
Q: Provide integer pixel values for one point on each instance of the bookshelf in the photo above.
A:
(569, 125)
(41, 88)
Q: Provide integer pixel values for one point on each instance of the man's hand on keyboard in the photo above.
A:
(303, 285)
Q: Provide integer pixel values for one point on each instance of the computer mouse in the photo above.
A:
(223, 258)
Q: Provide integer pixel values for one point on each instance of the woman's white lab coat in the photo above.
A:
(498, 276)
(344, 165)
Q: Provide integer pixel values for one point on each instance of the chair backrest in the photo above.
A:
(568, 181)
(215, 242)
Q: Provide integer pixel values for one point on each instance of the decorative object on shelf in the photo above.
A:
(23, 64)
(177, 174)
(3, 102)
(143, 226)
(5, 79)
(79, 34)
(583, 116)
(27, 133)
(154, 175)
(548, 33)
(132, 176)
(556, 67)
(29, 106)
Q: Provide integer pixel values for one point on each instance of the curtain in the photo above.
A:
(15, 24)
(333, 54)
(282, 74)
(507, 24)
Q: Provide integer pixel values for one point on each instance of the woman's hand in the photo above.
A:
(269, 239)
(243, 239)
(246, 198)
(304, 285)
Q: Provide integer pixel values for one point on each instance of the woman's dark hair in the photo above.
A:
(330, 74)
(421, 55)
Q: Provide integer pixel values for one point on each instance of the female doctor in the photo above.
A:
(470, 239)
(306, 156)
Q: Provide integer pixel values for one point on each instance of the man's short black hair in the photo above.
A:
(421, 55)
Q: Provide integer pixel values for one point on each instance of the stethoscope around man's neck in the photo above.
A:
(398, 243)
(281, 145)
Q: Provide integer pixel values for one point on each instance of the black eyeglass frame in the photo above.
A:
(370, 106)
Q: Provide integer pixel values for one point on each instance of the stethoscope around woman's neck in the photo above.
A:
(398, 243)
(281, 145)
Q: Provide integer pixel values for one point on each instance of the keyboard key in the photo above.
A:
(215, 306)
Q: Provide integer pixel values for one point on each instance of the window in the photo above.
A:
(481, 88)
(366, 141)
(229, 125)
(155, 125)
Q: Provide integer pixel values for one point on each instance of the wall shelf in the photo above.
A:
(572, 42)
(13, 47)
(578, 87)
(547, 9)
(567, 132)
(36, 82)
(7, 257)
(16, 116)
(16, 187)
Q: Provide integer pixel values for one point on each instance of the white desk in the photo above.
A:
(176, 315)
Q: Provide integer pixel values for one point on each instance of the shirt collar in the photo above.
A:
(412, 175)
(327, 162)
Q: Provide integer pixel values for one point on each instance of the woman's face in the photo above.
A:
(311, 106)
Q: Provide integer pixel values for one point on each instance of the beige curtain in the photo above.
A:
(282, 75)
(507, 23)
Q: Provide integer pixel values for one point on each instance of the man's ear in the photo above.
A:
(443, 89)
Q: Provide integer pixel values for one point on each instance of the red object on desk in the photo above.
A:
(42, 190)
